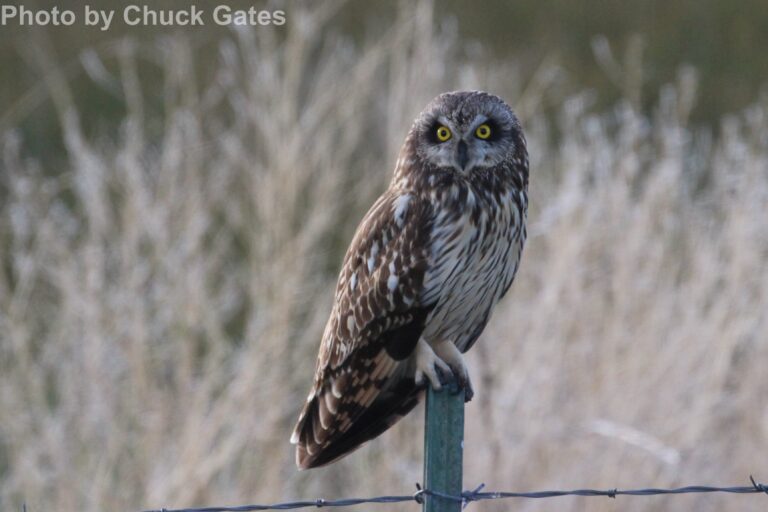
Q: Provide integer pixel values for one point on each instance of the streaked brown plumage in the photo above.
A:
(427, 264)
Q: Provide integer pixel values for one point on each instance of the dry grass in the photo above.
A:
(162, 294)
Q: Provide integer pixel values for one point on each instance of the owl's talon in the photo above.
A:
(448, 352)
(442, 366)
(463, 382)
(446, 377)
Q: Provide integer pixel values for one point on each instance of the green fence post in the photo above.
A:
(443, 447)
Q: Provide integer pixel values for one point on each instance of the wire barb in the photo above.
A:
(757, 486)
(418, 495)
(470, 496)
(467, 497)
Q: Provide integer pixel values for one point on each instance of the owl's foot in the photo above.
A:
(429, 366)
(450, 354)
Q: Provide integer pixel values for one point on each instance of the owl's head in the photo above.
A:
(465, 131)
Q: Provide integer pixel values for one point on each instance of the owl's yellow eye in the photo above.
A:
(483, 131)
(443, 133)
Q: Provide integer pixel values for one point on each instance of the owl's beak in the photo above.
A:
(462, 156)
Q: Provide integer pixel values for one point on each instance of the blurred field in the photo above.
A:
(164, 287)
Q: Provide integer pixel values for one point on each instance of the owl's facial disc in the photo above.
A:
(464, 146)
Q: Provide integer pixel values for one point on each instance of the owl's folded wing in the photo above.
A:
(361, 385)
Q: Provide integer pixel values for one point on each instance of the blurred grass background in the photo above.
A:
(174, 205)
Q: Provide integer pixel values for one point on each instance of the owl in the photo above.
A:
(426, 266)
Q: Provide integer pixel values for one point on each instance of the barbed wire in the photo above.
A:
(477, 495)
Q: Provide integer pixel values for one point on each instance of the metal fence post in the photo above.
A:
(443, 447)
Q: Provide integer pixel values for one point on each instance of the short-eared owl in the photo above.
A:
(428, 263)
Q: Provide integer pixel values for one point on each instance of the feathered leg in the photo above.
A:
(429, 366)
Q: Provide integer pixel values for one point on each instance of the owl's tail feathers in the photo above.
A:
(316, 425)
(322, 436)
